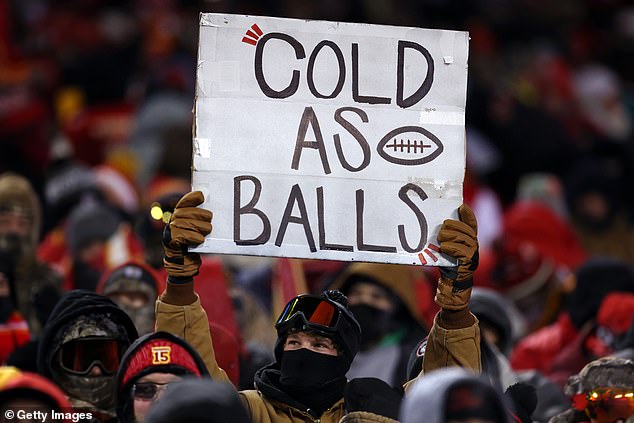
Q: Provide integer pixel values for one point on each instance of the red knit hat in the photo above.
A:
(617, 312)
(158, 353)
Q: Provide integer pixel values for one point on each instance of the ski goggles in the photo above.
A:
(606, 405)
(316, 312)
(79, 356)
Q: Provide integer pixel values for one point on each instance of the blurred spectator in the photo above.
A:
(531, 260)
(134, 287)
(14, 330)
(562, 348)
(482, 160)
(595, 202)
(600, 392)
(67, 183)
(453, 395)
(494, 314)
(544, 188)
(256, 332)
(599, 92)
(550, 398)
(94, 239)
(20, 224)
(382, 297)
(496, 338)
(200, 401)
(118, 191)
(30, 392)
(150, 367)
(81, 348)
(614, 319)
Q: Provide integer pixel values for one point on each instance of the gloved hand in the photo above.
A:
(458, 239)
(188, 226)
(374, 396)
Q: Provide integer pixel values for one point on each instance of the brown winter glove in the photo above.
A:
(458, 239)
(188, 227)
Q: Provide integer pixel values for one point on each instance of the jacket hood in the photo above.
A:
(491, 307)
(428, 396)
(398, 279)
(199, 400)
(155, 352)
(72, 305)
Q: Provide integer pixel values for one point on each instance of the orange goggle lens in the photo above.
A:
(606, 405)
(315, 310)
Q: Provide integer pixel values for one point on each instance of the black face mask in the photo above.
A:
(6, 308)
(375, 323)
(13, 245)
(304, 368)
(86, 277)
(315, 380)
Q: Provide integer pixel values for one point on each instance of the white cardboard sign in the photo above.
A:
(329, 140)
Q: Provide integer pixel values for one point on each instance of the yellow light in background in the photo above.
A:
(629, 395)
(156, 211)
(595, 395)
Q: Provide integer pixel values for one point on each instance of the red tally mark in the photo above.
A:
(428, 251)
(252, 35)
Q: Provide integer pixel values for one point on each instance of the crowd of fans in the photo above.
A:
(95, 140)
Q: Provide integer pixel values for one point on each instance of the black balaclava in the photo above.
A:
(13, 245)
(8, 303)
(87, 391)
(304, 368)
(314, 379)
(81, 314)
(375, 323)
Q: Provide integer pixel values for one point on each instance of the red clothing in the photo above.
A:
(539, 349)
(121, 247)
(13, 334)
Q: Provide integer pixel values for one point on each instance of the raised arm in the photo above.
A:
(178, 309)
(455, 336)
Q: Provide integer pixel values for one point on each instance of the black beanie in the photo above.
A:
(523, 398)
(595, 279)
(348, 334)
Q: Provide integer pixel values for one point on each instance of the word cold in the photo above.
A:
(296, 201)
(312, 69)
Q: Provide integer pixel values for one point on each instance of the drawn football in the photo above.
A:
(409, 146)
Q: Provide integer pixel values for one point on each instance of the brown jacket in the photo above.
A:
(178, 311)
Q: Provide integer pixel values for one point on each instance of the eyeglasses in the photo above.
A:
(315, 311)
(148, 391)
(606, 405)
(79, 356)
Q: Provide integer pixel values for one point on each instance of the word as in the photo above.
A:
(420, 153)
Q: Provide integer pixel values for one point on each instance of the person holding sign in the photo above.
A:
(317, 335)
